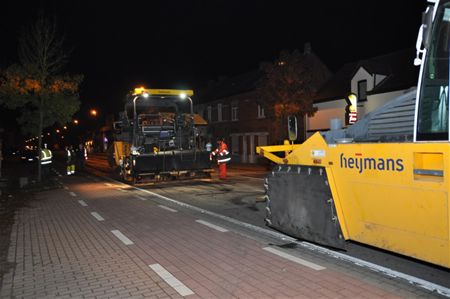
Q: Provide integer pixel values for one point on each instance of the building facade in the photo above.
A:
(373, 81)
(235, 112)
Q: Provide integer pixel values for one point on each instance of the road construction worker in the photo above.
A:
(223, 157)
(70, 160)
(46, 159)
(81, 156)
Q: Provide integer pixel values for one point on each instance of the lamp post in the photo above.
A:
(135, 126)
(184, 96)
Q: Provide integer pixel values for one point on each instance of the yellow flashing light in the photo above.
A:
(163, 92)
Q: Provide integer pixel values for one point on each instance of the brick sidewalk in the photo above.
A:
(64, 246)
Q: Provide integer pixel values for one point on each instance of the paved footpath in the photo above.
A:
(99, 239)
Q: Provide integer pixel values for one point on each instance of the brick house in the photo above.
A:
(233, 110)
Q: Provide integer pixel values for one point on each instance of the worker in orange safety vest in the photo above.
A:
(223, 157)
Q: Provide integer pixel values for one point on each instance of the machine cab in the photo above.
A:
(432, 111)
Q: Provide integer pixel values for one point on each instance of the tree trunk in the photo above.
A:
(41, 119)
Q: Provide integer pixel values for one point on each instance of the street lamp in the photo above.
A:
(145, 95)
(75, 121)
(184, 96)
(93, 112)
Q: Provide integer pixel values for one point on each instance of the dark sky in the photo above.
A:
(184, 44)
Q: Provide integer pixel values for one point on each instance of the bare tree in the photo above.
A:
(288, 86)
(36, 85)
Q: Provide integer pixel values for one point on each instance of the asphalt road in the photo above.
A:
(240, 197)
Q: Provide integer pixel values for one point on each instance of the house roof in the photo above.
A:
(248, 81)
(230, 86)
(338, 85)
(397, 66)
(403, 74)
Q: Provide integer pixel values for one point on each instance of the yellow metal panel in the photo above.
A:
(162, 92)
(389, 195)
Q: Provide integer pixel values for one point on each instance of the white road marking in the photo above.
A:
(294, 259)
(167, 208)
(122, 237)
(171, 280)
(83, 203)
(315, 248)
(248, 177)
(122, 190)
(66, 188)
(140, 197)
(108, 184)
(216, 227)
(72, 193)
(97, 216)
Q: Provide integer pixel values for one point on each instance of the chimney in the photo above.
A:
(307, 48)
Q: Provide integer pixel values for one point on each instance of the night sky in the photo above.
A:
(184, 44)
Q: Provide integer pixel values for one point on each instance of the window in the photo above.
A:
(261, 111)
(432, 123)
(234, 113)
(219, 112)
(362, 90)
(209, 114)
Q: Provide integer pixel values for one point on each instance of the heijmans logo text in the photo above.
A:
(362, 164)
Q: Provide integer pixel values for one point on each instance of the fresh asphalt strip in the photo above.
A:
(444, 291)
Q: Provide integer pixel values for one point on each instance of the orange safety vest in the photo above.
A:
(222, 153)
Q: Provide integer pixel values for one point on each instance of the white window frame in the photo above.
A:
(219, 112)
(234, 113)
(261, 113)
(209, 109)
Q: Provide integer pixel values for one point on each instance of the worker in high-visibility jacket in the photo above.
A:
(46, 159)
(223, 157)
(70, 155)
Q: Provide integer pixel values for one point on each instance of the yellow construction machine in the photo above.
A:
(158, 136)
(383, 181)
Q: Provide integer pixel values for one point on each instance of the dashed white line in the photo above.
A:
(213, 226)
(171, 280)
(66, 188)
(72, 194)
(122, 237)
(108, 184)
(294, 259)
(83, 203)
(167, 208)
(121, 190)
(97, 216)
(337, 255)
(140, 197)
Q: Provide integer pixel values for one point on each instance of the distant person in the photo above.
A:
(81, 155)
(46, 160)
(223, 157)
(208, 146)
(70, 160)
